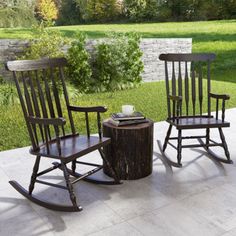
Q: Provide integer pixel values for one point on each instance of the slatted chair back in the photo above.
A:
(186, 90)
(42, 92)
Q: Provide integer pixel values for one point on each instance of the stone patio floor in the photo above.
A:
(198, 199)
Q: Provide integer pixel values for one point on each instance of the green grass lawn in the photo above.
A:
(149, 98)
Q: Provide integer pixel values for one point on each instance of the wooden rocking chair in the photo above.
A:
(41, 88)
(184, 76)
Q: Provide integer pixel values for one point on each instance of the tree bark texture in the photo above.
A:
(131, 150)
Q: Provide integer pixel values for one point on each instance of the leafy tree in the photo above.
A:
(227, 9)
(16, 13)
(151, 10)
(99, 10)
(69, 13)
(47, 10)
(82, 5)
(78, 11)
(135, 9)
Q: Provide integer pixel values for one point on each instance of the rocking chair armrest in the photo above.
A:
(47, 121)
(220, 96)
(223, 97)
(88, 109)
(175, 98)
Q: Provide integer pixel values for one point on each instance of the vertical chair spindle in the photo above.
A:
(217, 108)
(180, 89)
(87, 124)
(193, 89)
(173, 79)
(186, 88)
(209, 87)
(200, 89)
(99, 125)
(173, 88)
(167, 89)
(223, 110)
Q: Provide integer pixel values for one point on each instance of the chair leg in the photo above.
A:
(34, 174)
(207, 137)
(73, 166)
(112, 171)
(167, 138)
(224, 144)
(69, 185)
(179, 147)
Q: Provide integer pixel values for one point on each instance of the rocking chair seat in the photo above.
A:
(72, 147)
(198, 122)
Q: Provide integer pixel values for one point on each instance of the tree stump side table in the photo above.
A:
(131, 150)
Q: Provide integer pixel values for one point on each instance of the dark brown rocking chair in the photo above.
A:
(42, 90)
(185, 81)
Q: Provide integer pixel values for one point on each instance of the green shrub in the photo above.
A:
(117, 64)
(45, 43)
(79, 70)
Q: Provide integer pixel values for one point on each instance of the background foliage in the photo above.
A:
(14, 13)
(45, 43)
(150, 10)
(118, 63)
(79, 70)
(115, 64)
(46, 10)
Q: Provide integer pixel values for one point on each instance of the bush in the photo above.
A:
(45, 43)
(117, 64)
(79, 70)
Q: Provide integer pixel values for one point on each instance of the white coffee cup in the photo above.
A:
(128, 110)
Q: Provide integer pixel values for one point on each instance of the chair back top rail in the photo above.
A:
(187, 57)
(30, 65)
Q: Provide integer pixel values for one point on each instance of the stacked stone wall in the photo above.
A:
(153, 68)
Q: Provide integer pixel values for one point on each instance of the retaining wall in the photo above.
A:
(152, 48)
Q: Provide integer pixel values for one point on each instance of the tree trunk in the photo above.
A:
(131, 150)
